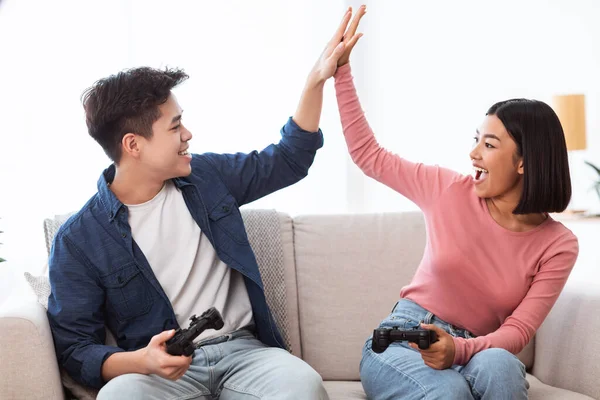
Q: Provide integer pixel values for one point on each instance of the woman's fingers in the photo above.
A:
(355, 21)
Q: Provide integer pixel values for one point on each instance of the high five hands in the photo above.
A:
(338, 49)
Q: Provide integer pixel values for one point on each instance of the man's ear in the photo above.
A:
(131, 145)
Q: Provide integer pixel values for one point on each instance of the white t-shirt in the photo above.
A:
(186, 264)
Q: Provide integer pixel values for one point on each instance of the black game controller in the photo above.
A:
(182, 343)
(382, 337)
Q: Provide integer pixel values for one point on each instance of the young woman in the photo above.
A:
(494, 262)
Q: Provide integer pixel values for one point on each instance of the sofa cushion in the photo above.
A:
(350, 269)
(345, 390)
(265, 236)
(541, 391)
(349, 390)
(40, 286)
(567, 346)
(27, 360)
(291, 286)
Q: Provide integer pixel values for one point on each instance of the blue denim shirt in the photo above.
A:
(100, 277)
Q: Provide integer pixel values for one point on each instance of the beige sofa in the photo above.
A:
(342, 275)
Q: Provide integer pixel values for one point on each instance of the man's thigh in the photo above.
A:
(138, 386)
(255, 371)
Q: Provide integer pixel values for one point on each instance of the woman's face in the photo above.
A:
(497, 169)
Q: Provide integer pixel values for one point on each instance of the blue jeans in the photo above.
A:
(400, 373)
(231, 367)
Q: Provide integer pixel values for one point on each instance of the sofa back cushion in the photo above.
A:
(350, 270)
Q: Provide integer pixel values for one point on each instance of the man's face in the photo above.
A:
(165, 154)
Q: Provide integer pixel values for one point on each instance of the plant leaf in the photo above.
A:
(593, 166)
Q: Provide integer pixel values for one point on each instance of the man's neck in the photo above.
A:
(132, 187)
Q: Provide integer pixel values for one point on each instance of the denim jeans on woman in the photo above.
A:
(400, 373)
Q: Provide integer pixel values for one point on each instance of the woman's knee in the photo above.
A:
(382, 378)
(498, 361)
(497, 374)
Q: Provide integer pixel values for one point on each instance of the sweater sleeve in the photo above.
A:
(518, 329)
(422, 184)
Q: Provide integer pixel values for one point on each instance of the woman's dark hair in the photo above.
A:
(540, 140)
(127, 102)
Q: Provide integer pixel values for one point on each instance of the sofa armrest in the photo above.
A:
(29, 369)
(567, 344)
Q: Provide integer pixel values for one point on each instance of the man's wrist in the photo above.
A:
(314, 81)
(140, 361)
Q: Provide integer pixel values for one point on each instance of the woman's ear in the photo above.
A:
(520, 166)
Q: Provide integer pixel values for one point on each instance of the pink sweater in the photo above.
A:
(498, 284)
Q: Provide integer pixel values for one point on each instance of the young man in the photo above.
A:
(163, 239)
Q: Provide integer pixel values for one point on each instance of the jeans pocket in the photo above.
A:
(399, 322)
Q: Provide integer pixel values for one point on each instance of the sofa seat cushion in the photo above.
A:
(540, 391)
(345, 390)
(352, 390)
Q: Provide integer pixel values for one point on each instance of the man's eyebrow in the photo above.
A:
(177, 117)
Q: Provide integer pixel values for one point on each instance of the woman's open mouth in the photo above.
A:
(479, 174)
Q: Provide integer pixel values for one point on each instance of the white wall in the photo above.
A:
(247, 63)
(428, 71)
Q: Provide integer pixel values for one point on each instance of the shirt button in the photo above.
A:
(119, 279)
(225, 209)
(124, 235)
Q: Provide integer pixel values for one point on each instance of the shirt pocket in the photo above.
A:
(227, 220)
(127, 292)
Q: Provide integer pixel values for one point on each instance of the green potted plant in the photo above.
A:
(596, 184)
(1, 259)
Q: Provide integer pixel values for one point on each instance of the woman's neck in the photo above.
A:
(501, 210)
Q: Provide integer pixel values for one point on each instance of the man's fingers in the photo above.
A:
(181, 361)
(178, 373)
(339, 33)
(162, 337)
(176, 362)
(337, 52)
(174, 367)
